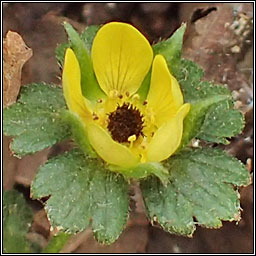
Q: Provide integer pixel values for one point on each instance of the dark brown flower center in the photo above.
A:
(124, 122)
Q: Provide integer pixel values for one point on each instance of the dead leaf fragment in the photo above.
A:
(15, 53)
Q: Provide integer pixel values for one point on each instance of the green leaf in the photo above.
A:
(88, 35)
(171, 49)
(17, 218)
(195, 118)
(82, 189)
(34, 120)
(221, 122)
(212, 116)
(90, 87)
(109, 205)
(201, 186)
(193, 88)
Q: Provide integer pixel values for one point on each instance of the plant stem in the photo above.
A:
(57, 242)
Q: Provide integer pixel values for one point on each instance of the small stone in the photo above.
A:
(235, 49)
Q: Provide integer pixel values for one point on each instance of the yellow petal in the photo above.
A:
(165, 96)
(71, 80)
(109, 150)
(168, 137)
(121, 57)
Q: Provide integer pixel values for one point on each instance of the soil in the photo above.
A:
(218, 37)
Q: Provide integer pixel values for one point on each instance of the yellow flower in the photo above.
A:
(124, 130)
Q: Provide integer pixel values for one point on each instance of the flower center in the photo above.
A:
(124, 122)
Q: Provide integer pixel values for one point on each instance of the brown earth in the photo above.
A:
(219, 38)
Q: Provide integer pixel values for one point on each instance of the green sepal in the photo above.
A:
(143, 170)
(78, 131)
(89, 85)
(171, 49)
(60, 52)
(144, 88)
(88, 36)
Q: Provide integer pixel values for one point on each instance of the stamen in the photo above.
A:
(113, 94)
(131, 139)
(152, 119)
(136, 97)
(99, 101)
(127, 94)
(145, 102)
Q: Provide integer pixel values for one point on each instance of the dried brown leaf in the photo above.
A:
(15, 53)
